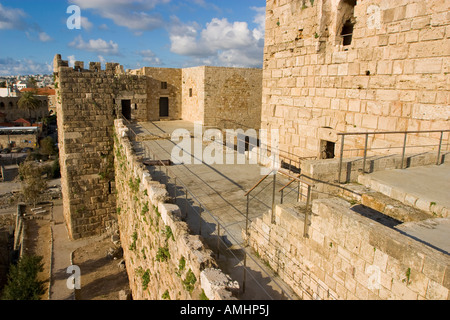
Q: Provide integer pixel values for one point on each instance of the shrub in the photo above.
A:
(22, 283)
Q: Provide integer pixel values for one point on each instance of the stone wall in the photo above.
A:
(155, 78)
(233, 98)
(348, 256)
(86, 114)
(164, 259)
(227, 98)
(193, 95)
(392, 77)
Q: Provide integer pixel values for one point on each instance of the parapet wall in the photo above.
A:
(348, 256)
(163, 259)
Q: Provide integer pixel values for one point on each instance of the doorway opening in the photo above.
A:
(164, 107)
(126, 109)
(327, 149)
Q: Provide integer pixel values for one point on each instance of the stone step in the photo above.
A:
(393, 208)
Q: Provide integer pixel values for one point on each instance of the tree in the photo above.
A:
(23, 283)
(48, 147)
(29, 102)
(33, 184)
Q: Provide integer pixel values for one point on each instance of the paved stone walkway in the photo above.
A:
(219, 188)
(62, 252)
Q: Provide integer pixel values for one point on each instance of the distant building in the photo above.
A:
(48, 92)
(9, 91)
(10, 107)
(21, 85)
(24, 137)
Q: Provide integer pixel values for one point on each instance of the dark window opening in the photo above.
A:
(327, 150)
(163, 85)
(110, 189)
(164, 107)
(347, 33)
(190, 93)
(126, 109)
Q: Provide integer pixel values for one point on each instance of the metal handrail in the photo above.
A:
(405, 133)
(257, 185)
(291, 182)
(390, 132)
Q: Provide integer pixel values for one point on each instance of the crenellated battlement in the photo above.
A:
(110, 67)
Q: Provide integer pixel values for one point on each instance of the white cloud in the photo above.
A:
(71, 60)
(99, 46)
(102, 59)
(132, 14)
(11, 18)
(44, 37)
(86, 24)
(10, 66)
(150, 58)
(221, 42)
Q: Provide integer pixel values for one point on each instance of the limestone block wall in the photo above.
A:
(193, 94)
(227, 98)
(155, 91)
(348, 256)
(163, 259)
(392, 77)
(233, 98)
(86, 116)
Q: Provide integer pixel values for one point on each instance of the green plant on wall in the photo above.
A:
(134, 184)
(408, 276)
(189, 281)
(145, 209)
(145, 279)
(163, 254)
(168, 232)
(134, 237)
(203, 296)
(166, 295)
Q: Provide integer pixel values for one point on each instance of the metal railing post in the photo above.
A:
(439, 161)
(247, 213)
(186, 203)
(175, 189)
(308, 199)
(365, 153)
(282, 196)
(404, 149)
(200, 220)
(341, 158)
(218, 240)
(245, 271)
(273, 196)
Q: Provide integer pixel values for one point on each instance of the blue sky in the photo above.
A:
(134, 33)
